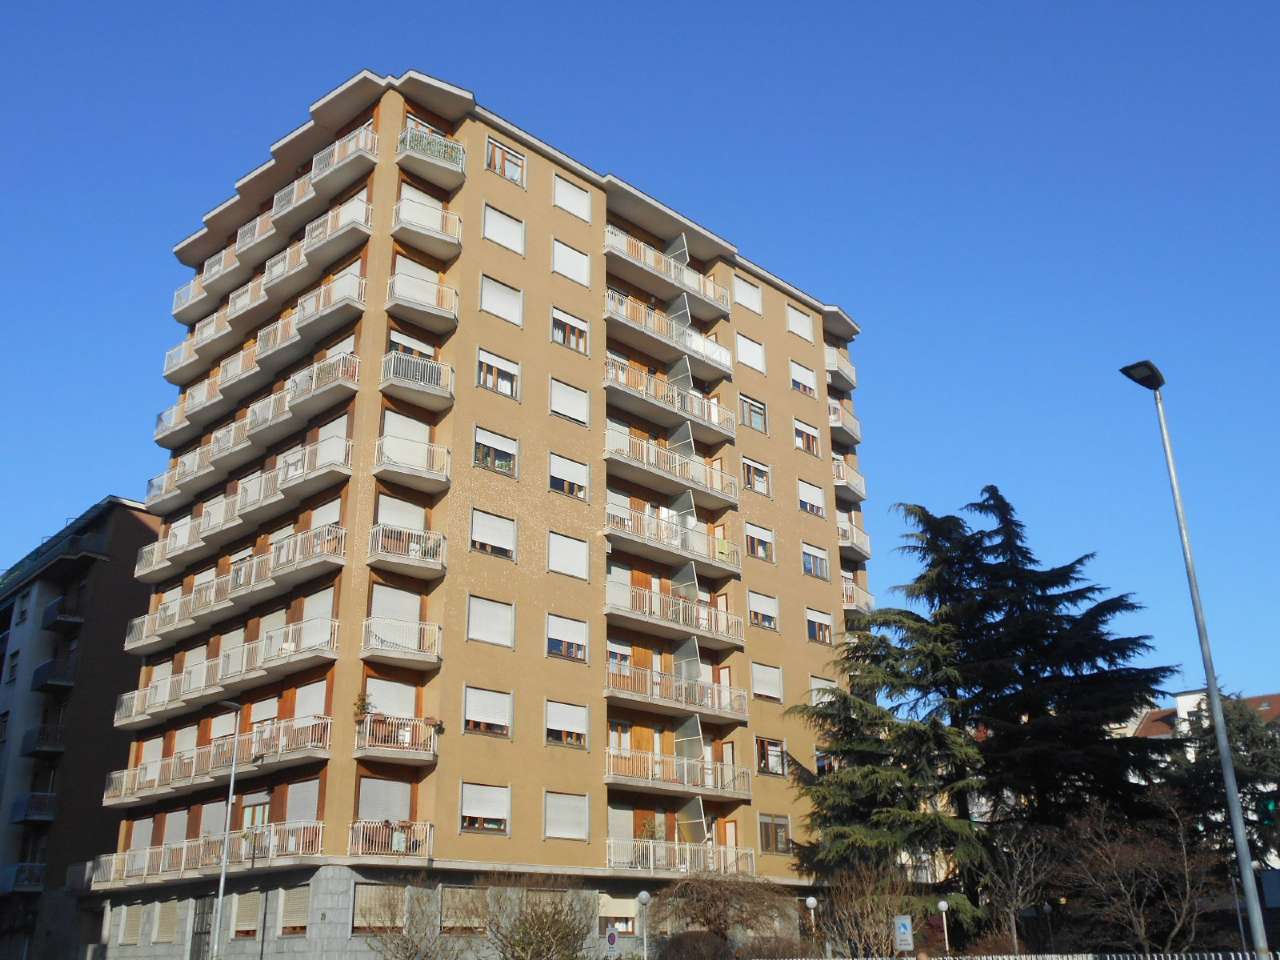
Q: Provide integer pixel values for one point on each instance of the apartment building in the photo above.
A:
(506, 512)
(62, 608)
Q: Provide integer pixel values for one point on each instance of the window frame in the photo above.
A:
(468, 730)
(774, 821)
(586, 647)
(498, 372)
(513, 473)
(746, 403)
(570, 331)
(493, 148)
(489, 549)
(762, 758)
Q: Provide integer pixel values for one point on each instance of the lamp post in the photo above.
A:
(1146, 374)
(226, 832)
(812, 903)
(946, 937)
(643, 899)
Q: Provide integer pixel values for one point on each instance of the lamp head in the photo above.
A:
(811, 902)
(644, 898)
(1145, 374)
(943, 905)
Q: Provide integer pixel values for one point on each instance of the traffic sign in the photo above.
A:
(611, 938)
(903, 941)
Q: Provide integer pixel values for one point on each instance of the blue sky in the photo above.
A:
(1012, 198)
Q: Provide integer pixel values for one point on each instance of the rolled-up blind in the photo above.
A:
(567, 555)
(493, 360)
(487, 706)
(491, 621)
(760, 603)
(804, 376)
(570, 470)
(497, 441)
(763, 534)
(766, 681)
(811, 494)
(566, 816)
(569, 401)
(493, 530)
(567, 630)
(569, 717)
(491, 803)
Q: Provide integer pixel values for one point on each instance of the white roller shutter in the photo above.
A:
(497, 441)
(501, 363)
(302, 801)
(404, 439)
(401, 513)
(213, 817)
(813, 495)
(412, 344)
(566, 816)
(751, 353)
(569, 401)
(799, 323)
(804, 376)
(391, 697)
(489, 803)
(763, 534)
(501, 300)
(140, 838)
(490, 621)
(223, 725)
(817, 616)
(766, 681)
(748, 294)
(308, 700)
(486, 706)
(411, 268)
(175, 826)
(570, 470)
(571, 263)
(567, 555)
(569, 717)
(184, 738)
(503, 229)
(570, 320)
(625, 907)
(572, 198)
(493, 530)
(383, 800)
(820, 687)
(567, 630)
(264, 710)
(326, 514)
(759, 603)
(295, 907)
(392, 603)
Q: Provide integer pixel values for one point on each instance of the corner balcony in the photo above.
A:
(432, 156)
(223, 271)
(414, 553)
(676, 776)
(323, 384)
(344, 161)
(849, 482)
(394, 842)
(254, 239)
(190, 301)
(430, 305)
(33, 807)
(218, 524)
(406, 740)
(854, 542)
(661, 401)
(855, 598)
(305, 555)
(55, 675)
(662, 469)
(402, 643)
(259, 849)
(292, 206)
(671, 695)
(238, 376)
(272, 746)
(417, 380)
(298, 474)
(22, 878)
(429, 229)
(412, 463)
(288, 273)
(671, 858)
(327, 307)
(840, 370)
(845, 427)
(667, 615)
(248, 306)
(652, 331)
(45, 741)
(652, 270)
(339, 232)
(671, 543)
(209, 339)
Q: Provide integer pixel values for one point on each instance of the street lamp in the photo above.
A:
(643, 899)
(812, 903)
(1147, 374)
(226, 831)
(946, 938)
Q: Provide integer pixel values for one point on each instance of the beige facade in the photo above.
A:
(458, 514)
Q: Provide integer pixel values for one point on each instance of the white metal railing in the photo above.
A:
(838, 416)
(838, 360)
(355, 212)
(219, 516)
(668, 608)
(271, 338)
(175, 357)
(190, 291)
(423, 293)
(432, 145)
(236, 366)
(247, 297)
(218, 264)
(405, 543)
(415, 455)
(682, 275)
(677, 333)
(268, 410)
(665, 460)
(169, 419)
(289, 260)
(849, 535)
(344, 368)
(346, 288)
(407, 734)
(363, 140)
(178, 540)
(328, 454)
(391, 838)
(424, 216)
(327, 542)
(675, 690)
(254, 491)
(232, 436)
(253, 231)
(673, 771)
(384, 635)
(671, 856)
(418, 372)
(841, 472)
(288, 197)
(675, 536)
(664, 392)
(259, 846)
(855, 596)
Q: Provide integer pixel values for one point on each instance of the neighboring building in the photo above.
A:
(62, 608)
(1164, 723)
(511, 507)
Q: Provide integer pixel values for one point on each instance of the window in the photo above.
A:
(464, 910)
(565, 816)
(775, 833)
(763, 610)
(571, 263)
(498, 374)
(766, 681)
(166, 926)
(502, 301)
(244, 915)
(818, 626)
(485, 809)
(568, 331)
(747, 293)
(566, 724)
(12, 674)
(496, 452)
(20, 607)
(490, 621)
(799, 323)
(821, 689)
(504, 161)
(622, 926)
(131, 923)
(619, 655)
(806, 437)
(759, 542)
(566, 638)
(771, 757)
(503, 229)
(812, 499)
(755, 476)
(814, 561)
(570, 402)
(486, 711)
(493, 534)
(751, 353)
(570, 197)
(295, 911)
(377, 907)
(567, 555)
(753, 413)
(803, 379)
(823, 762)
(568, 477)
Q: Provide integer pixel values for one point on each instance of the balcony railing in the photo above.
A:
(856, 597)
(417, 215)
(325, 543)
(288, 261)
(698, 775)
(432, 146)
(682, 275)
(355, 212)
(255, 230)
(361, 141)
(664, 460)
(852, 536)
(218, 264)
(675, 611)
(841, 472)
(405, 543)
(259, 847)
(671, 690)
(291, 196)
(346, 289)
(279, 334)
(418, 373)
(188, 293)
(839, 363)
(415, 292)
(840, 418)
(664, 393)
(668, 856)
(391, 838)
(658, 324)
(245, 298)
(378, 732)
(673, 536)
(414, 456)
(384, 635)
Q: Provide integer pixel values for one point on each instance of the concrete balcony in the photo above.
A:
(429, 229)
(671, 695)
(22, 878)
(46, 741)
(327, 307)
(288, 273)
(402, 643)
(177, 485)
(855, 598)
(412, 463)
(432, 156)
(305, 555)
(218, 524)
(344, 161)
(662, 469)
(670, 858)
(323, 384)
(260, 849)
(272, 746)
(249, 305)
(391, 841)
(651, 331)
(190, 301)
(634, 531)
(414, 553)
(223, 271)
(294, 205)
(666, 615)
(841, 373)
(209, 339)
(676, 776)
(849, 482)
(313, 468)
(33, 807)
(661, 401)
(430, 305)
(845, 427)
(652, 270)
(339, 232)
(417, 380)
(54, 676)
(181, 422)
(854, 542)
(405, 740)
(255, 239)
(62, 614)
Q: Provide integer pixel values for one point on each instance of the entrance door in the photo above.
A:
(201, 925)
